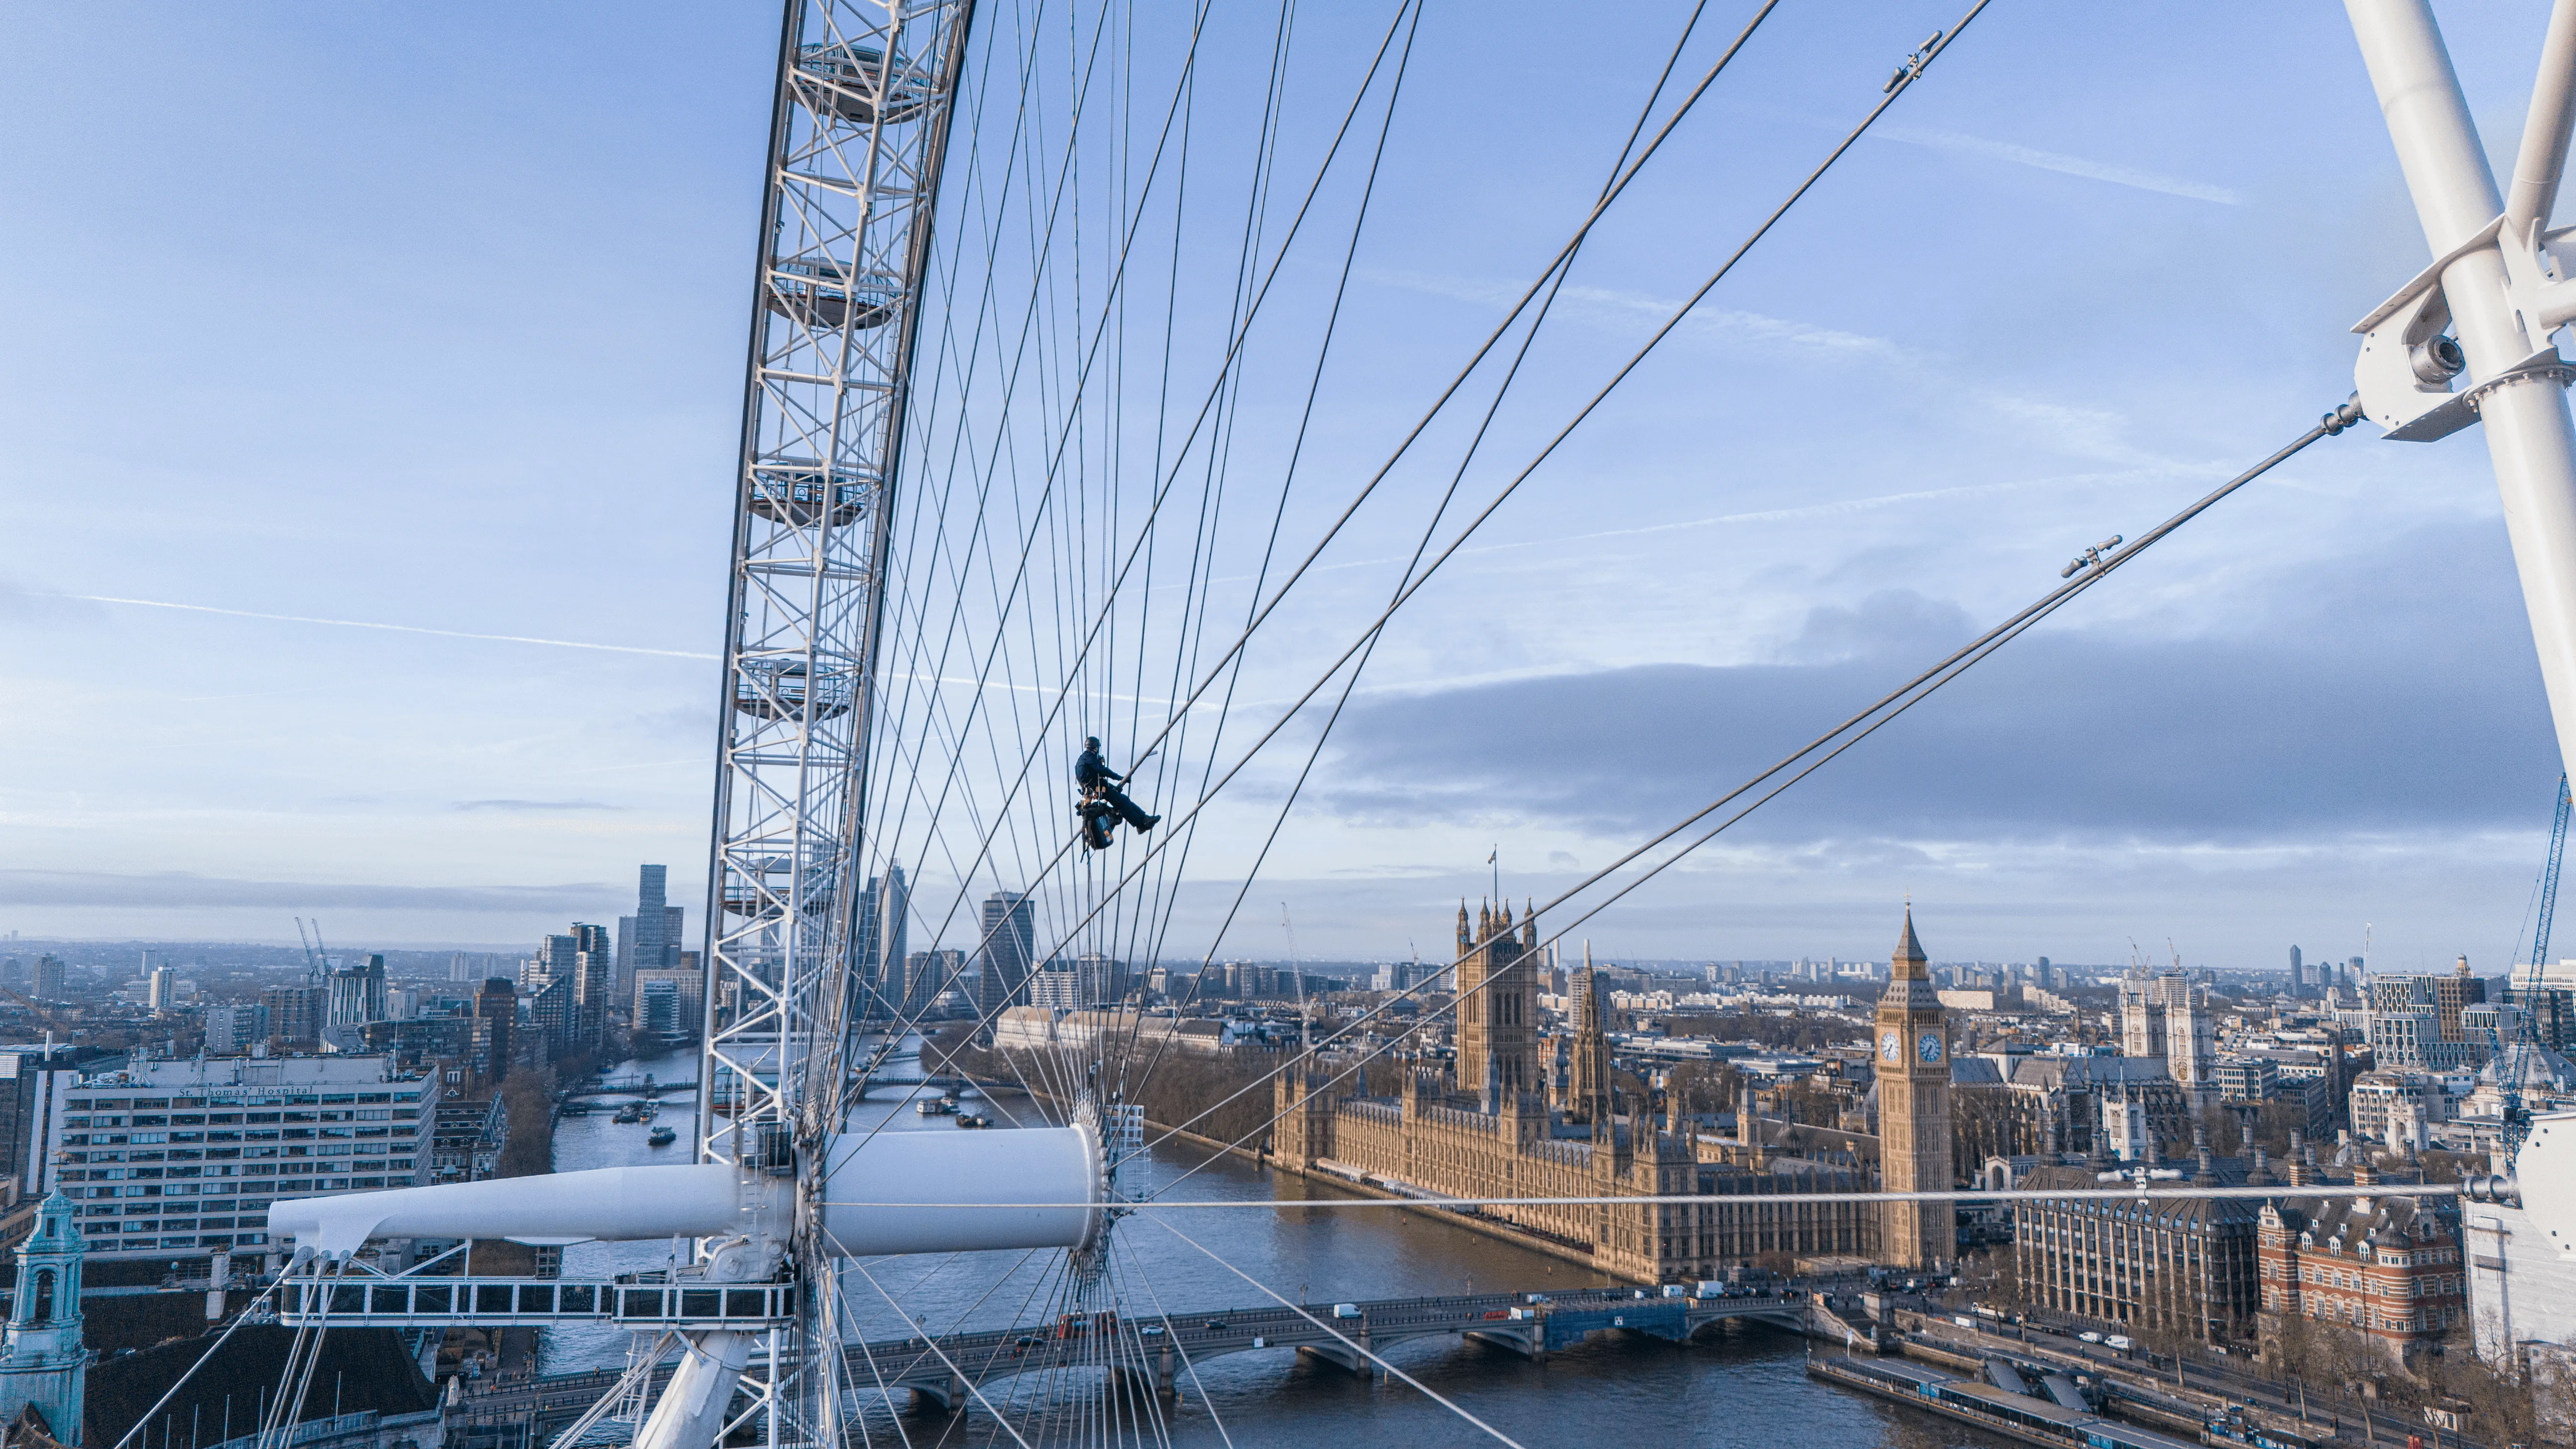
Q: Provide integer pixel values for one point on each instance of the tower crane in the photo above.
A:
(2516, 1119)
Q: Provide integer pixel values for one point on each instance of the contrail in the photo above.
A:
(528, 639)
(2090, 170)
(392, 628)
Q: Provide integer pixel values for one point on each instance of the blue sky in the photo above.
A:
(433, 319)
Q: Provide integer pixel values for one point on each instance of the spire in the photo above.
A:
(1529, 925)
(1909, 961)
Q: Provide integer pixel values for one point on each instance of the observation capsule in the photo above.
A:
(847, 80)
(793, 491)
(780, 689)
(817, 292)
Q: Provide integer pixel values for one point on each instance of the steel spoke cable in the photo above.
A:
(1430, 529)
(1896, 89)
(1175, 864)
(2167, 1187)
(1235, 346)
(201, 1360)
(1346, 1341)
(1475, 360)
(1563, 259)
(932, 1342)
(1172, 1339)
(1857, 727)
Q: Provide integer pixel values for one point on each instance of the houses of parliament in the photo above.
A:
(1507, 1120)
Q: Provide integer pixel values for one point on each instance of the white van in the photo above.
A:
(1346, 1310)
(2118, 1343)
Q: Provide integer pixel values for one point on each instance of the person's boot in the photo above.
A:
(1149, 823)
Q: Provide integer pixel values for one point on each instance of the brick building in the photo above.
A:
(2388, 1268)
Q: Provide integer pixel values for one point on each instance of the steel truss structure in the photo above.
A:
(858, 133)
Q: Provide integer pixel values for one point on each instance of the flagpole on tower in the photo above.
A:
(1494, 860)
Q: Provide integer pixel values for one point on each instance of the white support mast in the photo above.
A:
(2496, 281)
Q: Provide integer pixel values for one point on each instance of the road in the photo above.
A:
(2221, 1378)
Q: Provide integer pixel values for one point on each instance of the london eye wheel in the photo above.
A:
(1025, 417)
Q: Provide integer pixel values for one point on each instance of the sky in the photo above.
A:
(371, 386)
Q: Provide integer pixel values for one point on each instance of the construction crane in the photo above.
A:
(2516, 1120)
(317, 963)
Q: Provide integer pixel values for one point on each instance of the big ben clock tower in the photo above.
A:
(1913, 1053)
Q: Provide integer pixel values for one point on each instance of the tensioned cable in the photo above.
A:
(1858, 727)
(1166, 904)
(1898, 87)
(2166, 1189)
(1216, 390)
(238, 1320)
(1904, 80)
(1352, 1344)
(1205, 1401)
(1645, 113)
(1324, 168)
(1004, 819)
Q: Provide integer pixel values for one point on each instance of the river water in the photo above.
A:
(1743, 1386)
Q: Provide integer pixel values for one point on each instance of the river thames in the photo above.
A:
(1741, 1386)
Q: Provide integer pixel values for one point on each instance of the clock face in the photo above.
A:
(1891, 1046)
(1929, 1048)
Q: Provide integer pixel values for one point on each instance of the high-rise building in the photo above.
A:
(689, 991)
(1009, 947)
(648, 940)
(235, 1026)
(1914, 1109)
(192, 1101)
(357, 996)
(926, 974)
(295, 1014)
(2415, 1020)
(49, 978)
(496, 1009)
(164, 989)
(889, 942)
(28, 1080)
(2298, 974)
(660, 1010)
(1497, 1006)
